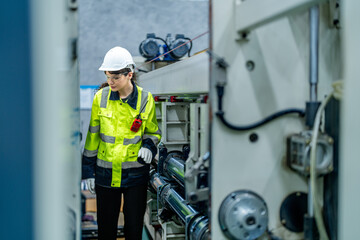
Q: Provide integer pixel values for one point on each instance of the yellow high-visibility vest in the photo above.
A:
(109, 136)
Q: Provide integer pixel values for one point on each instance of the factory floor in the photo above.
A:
(145, 235)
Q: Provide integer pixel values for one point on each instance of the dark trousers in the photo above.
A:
(108, 201)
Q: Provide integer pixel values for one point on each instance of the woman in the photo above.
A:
(120, 144)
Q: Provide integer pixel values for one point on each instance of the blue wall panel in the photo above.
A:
(15, 122)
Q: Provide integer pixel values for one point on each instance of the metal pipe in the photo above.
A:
(175, 168)
(177, 203)
(196, 224)
(314, 52)
(313, 75)
(170, 197)
(156, 182)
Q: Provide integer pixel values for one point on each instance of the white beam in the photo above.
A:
(254, 13)
(190, 76)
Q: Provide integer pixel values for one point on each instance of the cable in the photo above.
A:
(220, 113)
(167, 46)
(317, 209)
(190, 46)
(162, 41)
(142, 70)
(337, 94)
(338, 89)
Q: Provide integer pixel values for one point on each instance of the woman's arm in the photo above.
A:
(92, 140)
(152, 133)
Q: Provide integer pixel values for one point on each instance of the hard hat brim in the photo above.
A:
(108, 69)
(103, 68)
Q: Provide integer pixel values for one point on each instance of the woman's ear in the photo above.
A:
(130, 75)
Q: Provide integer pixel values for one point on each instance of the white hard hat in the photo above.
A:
(116, 59)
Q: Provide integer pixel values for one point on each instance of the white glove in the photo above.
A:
(90, 183)
(145, 154)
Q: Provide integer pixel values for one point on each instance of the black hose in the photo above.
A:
(190, 46)
(220, 113)
(142, 70)
(164, 42)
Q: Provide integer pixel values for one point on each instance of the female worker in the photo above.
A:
(120, 144)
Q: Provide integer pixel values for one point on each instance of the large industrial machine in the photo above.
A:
(260, 133)
(251, 127)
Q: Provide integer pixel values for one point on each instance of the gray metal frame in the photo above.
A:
(255, 13)
(189, 76)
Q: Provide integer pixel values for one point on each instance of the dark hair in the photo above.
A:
(124, 71)
(104, 84)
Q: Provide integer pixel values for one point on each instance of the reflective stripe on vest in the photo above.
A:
(124, 165)
(107, 139)
(103, 164)
(157, 132)
(153, 138)
(104, 97)
(88, 153)
(134, 140)
(144, 97)
(94, 129)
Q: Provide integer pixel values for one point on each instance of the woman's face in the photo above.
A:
(118, 82)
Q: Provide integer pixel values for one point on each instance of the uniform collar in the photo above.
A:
(131, 99)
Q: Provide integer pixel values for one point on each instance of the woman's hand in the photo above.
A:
(145, 154)
(90, 183)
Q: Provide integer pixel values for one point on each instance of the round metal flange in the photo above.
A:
(243, 215)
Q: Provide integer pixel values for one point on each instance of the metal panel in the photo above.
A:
(190, 76)
(254, 13)
(16, 195)
(279, 80)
